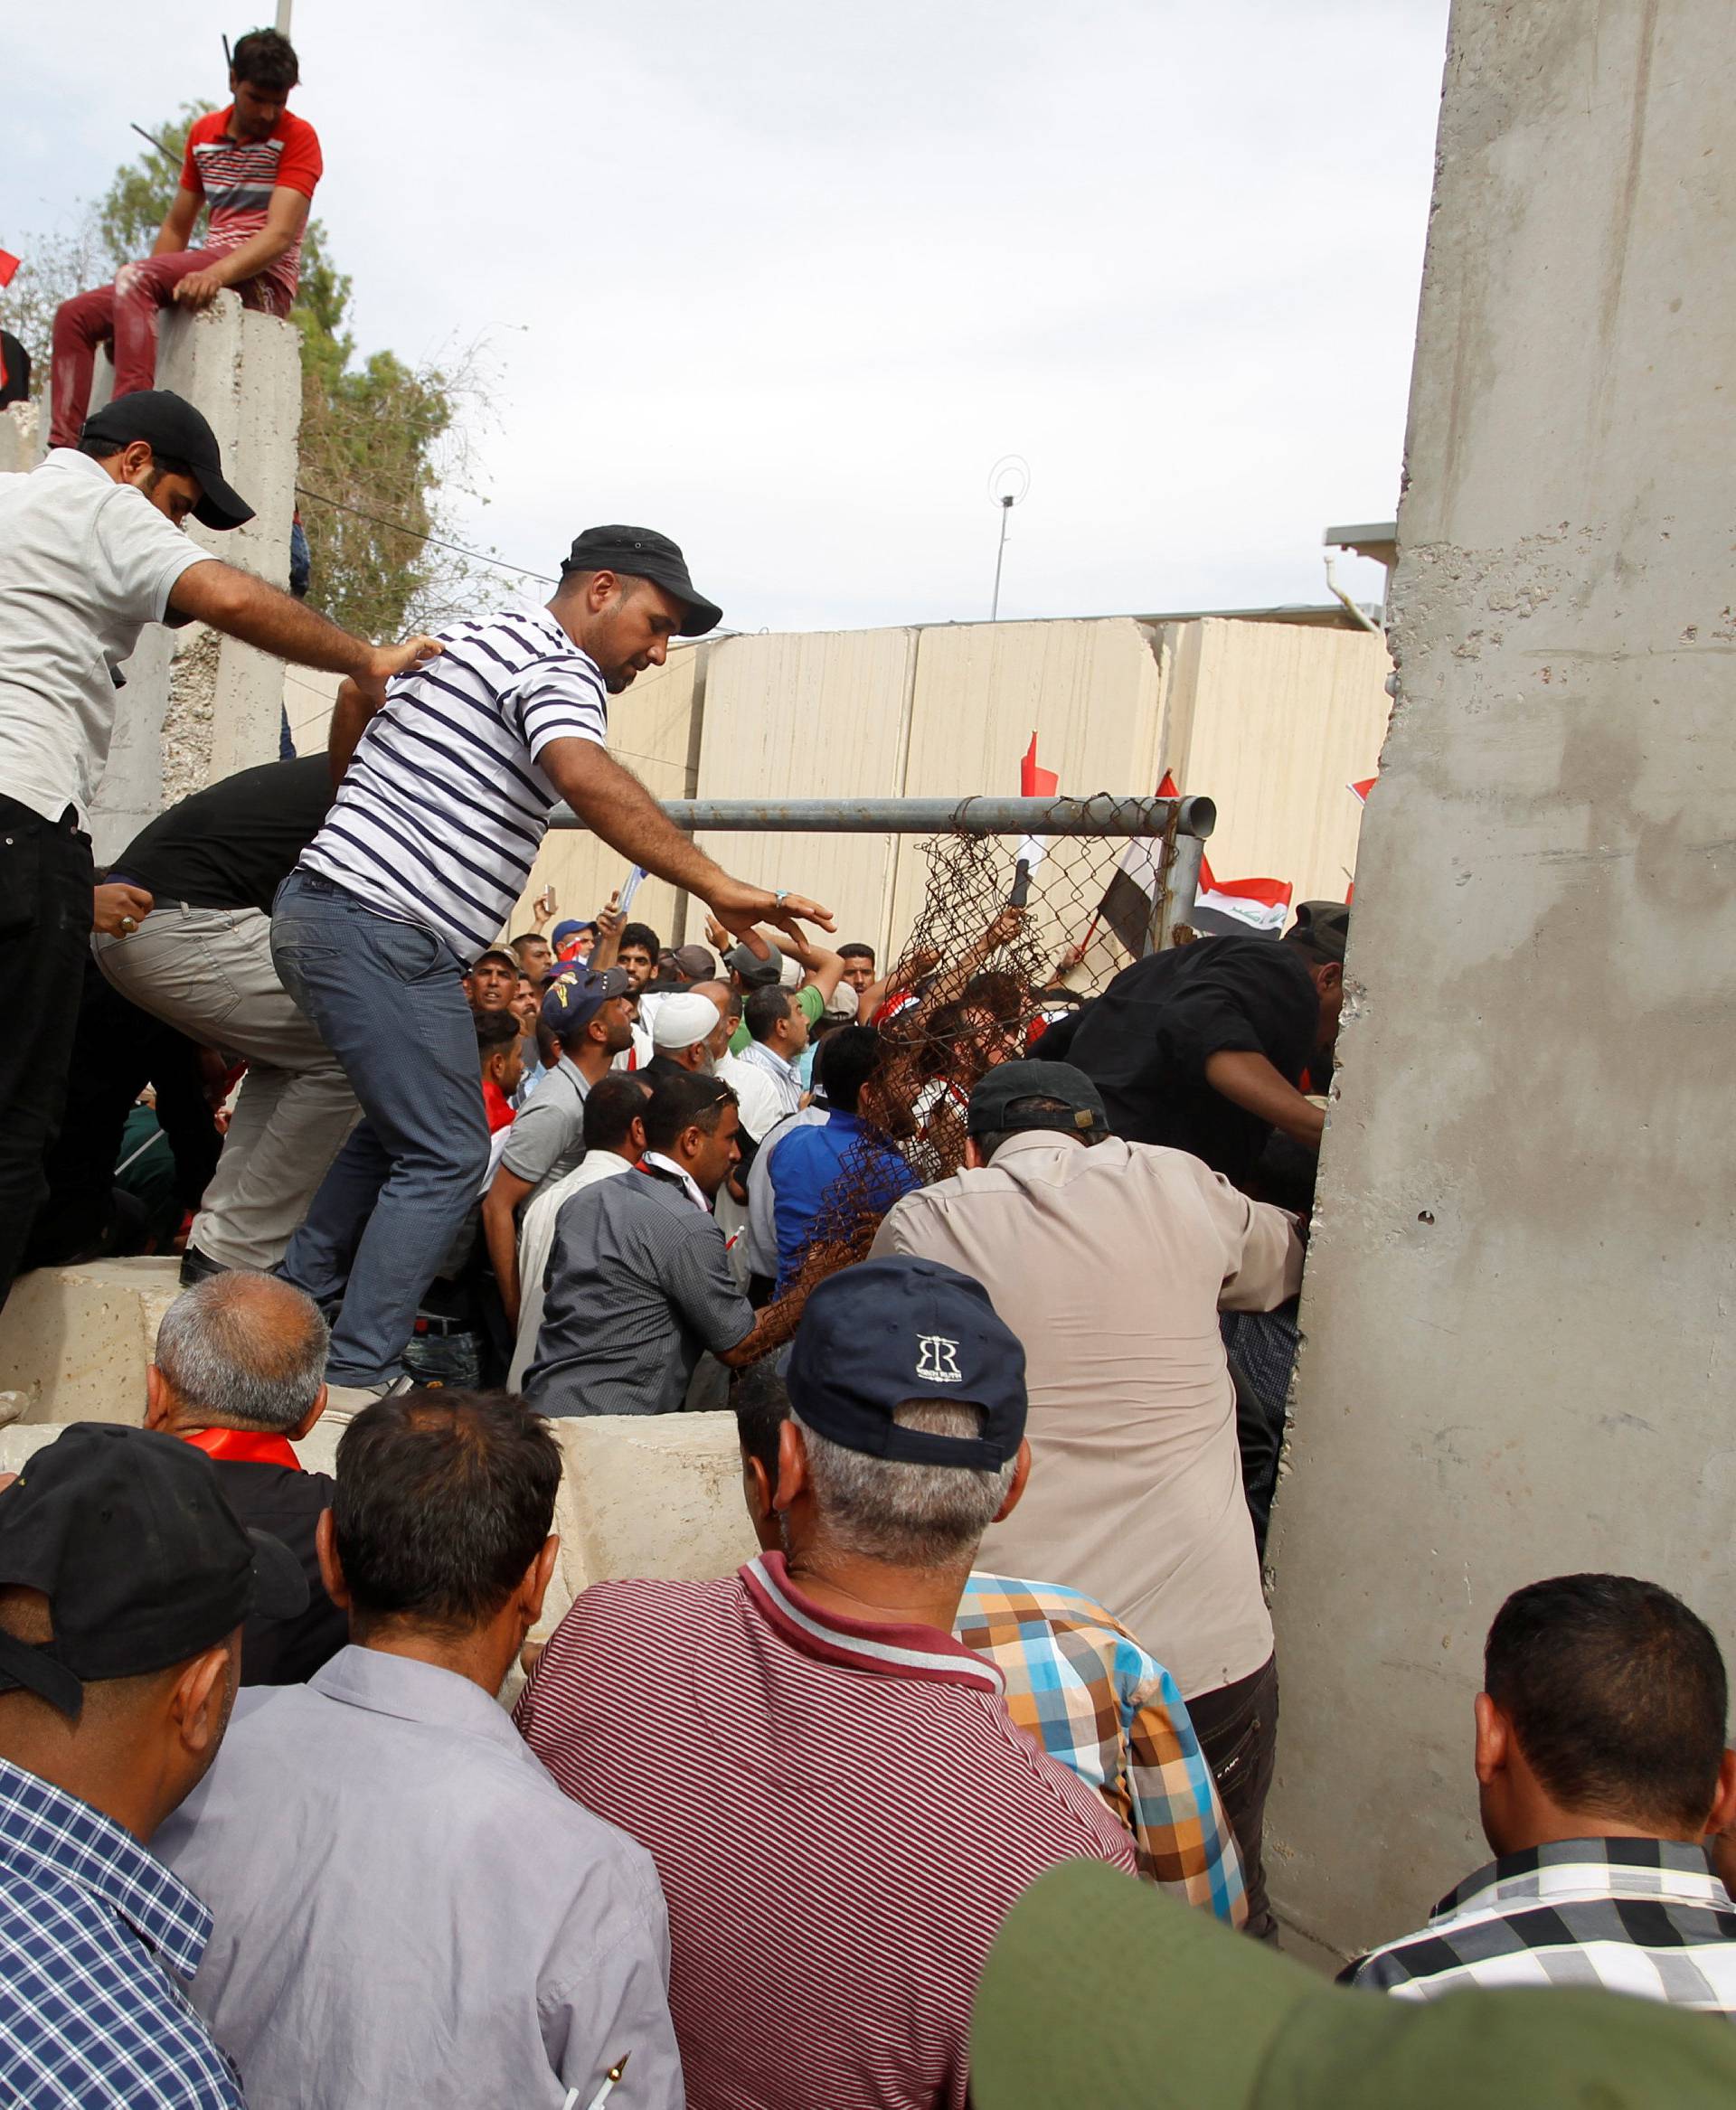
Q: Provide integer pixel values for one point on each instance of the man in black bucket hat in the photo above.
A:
(125, 1578)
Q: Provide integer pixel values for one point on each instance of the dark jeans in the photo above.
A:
(45, 882)
(1237, 1727)
(388, 1000)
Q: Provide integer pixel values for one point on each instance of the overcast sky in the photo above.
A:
(786, 280)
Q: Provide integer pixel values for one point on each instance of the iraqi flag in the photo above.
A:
(1035, 782)
(1129, 902)
(8, 267)
(1252, 908)
(1362, 788)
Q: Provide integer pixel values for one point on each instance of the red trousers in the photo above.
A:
(124, 315)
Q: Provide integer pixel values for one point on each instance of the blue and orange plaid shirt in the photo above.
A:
(1080, 1684)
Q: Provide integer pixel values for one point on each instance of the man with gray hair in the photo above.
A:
(839, 1806)
(239, 1374)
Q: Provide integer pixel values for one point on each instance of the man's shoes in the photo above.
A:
(345, 1402)
(197, 1266)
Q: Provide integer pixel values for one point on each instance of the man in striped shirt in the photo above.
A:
(443, 800)
(1602, 1770)
(256, 166)
(840, 1810)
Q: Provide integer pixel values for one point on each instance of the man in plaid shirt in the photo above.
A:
(1601, 1771)
(1076, 1682)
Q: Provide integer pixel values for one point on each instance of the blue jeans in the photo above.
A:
(388, 1004)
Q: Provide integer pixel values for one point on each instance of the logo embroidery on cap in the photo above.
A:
(938, 1360)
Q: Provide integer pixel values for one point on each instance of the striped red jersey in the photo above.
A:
(841, 1815)
(236, 178)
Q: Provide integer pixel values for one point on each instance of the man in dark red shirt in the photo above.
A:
(839, 1806)
(256, 166)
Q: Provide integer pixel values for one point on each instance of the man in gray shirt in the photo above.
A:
(590, 1016)
(639, 1284)
(408, 1911)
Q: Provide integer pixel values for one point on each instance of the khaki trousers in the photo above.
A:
(208, 973)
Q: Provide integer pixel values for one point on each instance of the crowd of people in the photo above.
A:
(999, 1284)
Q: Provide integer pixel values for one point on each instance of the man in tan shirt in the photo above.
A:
(1111, 1260)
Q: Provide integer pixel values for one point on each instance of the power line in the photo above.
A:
(440, 542)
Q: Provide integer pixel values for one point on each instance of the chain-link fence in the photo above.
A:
(1027, 907)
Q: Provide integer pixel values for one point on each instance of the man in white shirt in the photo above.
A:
(1111, 1260)
(614, 1120)
(90, 551)
(444, 797)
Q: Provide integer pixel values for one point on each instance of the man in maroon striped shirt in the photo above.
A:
(840, 1810)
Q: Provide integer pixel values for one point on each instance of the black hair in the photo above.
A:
(687, 1101)
(266, 60)
(612, 1106)
(496, 1028)
(761, 1403)
(765, 1010)
(444, 1499)
(857, 952)
(851, 1054)
(530, 938)
(498, 952)
(1618, 1697)
(105, 450)
(641, 934)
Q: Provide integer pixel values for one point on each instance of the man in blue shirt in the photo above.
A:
(125, 1579)
(814, 1169)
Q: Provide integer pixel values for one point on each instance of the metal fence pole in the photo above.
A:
(1101, 815)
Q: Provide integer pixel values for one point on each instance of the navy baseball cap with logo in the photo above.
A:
(576, 995)
(128, 1535)
(176, 433)
(876, 1336)
(643, 553)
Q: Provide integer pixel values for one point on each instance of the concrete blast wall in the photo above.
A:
(1519, 1299)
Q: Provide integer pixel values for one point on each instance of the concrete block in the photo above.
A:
(75, 1340)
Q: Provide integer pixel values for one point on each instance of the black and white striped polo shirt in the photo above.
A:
(443, 808)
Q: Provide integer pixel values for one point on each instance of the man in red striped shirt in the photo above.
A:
(256, 166)
(839, 1807)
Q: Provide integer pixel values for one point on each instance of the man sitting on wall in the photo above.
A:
(1600, 1771)
(257, 167)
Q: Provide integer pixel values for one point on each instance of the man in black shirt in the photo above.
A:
(240, 1374)
(1206, 1048)
(201, 960)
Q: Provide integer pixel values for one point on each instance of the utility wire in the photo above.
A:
(440, 542)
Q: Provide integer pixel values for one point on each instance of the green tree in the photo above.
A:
(383, 444)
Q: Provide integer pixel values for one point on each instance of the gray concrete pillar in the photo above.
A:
(198, 707)
(1518, 1310)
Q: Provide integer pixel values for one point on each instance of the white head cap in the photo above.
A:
(682, 1019)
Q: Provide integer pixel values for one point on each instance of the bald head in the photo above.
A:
(239, 1351)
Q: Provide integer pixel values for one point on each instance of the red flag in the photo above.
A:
(1033, 782)
(1169, 788)
(8, 265)
(1362, 789)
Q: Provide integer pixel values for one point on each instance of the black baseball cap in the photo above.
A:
(128, 1535)
(1000, 1089)
(1323, 928)
(177, 432)
(885, 1332)
(643, 553)
(576, 993)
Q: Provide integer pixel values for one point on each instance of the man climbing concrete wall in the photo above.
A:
(1519, 1299)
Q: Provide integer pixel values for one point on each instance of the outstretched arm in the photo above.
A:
(613, 803)
(1248, 1080)
(235, 602)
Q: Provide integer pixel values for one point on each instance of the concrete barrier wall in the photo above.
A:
(1519, 1314)
(639, 1496)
